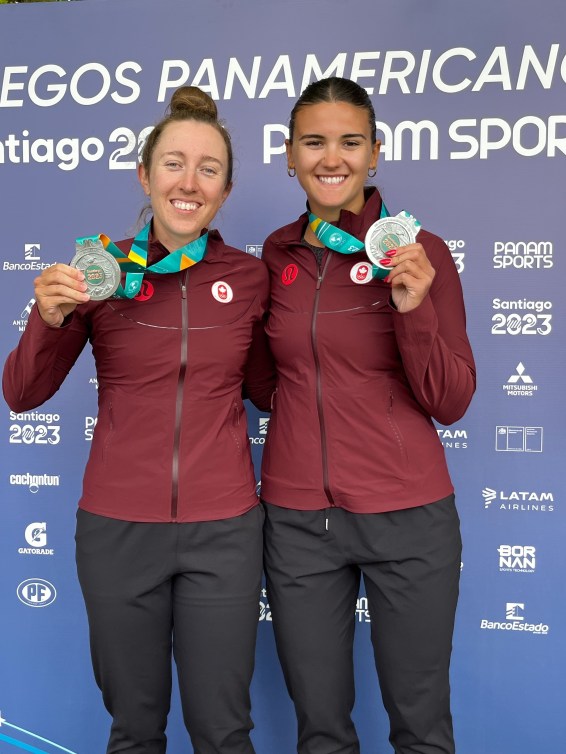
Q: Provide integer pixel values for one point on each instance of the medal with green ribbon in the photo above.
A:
(385, 234)
(134, 263)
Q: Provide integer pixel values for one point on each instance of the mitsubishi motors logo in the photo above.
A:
(520, 384)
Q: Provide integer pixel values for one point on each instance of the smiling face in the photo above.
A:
(186, 181)
(332, 153)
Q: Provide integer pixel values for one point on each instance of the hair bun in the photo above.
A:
(191, 99)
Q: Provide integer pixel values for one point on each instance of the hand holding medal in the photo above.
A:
(391, 245)
(58, 290)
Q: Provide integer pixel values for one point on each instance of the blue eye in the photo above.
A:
(209, 171)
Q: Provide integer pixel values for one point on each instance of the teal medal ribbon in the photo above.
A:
(344, 243)
(134, 263)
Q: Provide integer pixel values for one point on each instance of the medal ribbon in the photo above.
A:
(134, 263)
(344, 243)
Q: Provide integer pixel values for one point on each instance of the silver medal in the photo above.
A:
(101, 270)
(390, 233)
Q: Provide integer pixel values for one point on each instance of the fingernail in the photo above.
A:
(391, 253)
(386, 280)
(384, 262)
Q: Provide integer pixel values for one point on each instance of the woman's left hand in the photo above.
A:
(411, 276)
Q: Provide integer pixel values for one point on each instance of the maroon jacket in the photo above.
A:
(358, 381)
(171, 441)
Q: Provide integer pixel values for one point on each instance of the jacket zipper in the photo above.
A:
(325, 478)
(179, 396)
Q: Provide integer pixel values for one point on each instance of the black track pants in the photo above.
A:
(410, 562)
(193, 589)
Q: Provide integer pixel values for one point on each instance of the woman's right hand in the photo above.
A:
(58, 290)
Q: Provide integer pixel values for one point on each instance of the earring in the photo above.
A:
(291, 172)
(372, 174)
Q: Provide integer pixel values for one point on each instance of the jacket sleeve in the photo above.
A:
(36, 368)
(260, 374)
(436, 353)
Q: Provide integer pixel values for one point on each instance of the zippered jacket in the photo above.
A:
(358, 381)
(171, 440)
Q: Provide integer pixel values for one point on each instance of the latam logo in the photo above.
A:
(518, 500)
(36, 592)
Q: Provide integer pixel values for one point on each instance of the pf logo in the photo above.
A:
(222, 292)
(289, 274)
(36, 592)
(361, 273)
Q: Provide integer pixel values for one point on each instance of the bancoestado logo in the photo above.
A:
(515, 621)
(34, 481)
(518, 501)
(36, 592)
(32, 261)
(528, 317)
(454, 439)
(520, 384)
(522, 255)
(35, 428)
(262, 431)
(36, 537)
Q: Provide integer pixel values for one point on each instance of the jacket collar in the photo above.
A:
(356, 225)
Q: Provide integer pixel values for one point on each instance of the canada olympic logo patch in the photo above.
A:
(361, 273)
(289, 274)
(222, 292)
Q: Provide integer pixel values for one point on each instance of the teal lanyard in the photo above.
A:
(339, 240)
(134, 263)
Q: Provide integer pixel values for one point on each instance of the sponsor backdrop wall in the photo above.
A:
(470, 101)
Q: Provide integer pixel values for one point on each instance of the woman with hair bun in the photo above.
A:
(169, 530)
(354, 477)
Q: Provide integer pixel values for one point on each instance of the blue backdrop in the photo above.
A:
(471, 111)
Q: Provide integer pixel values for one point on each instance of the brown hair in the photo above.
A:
(334, 89)
(189, 103)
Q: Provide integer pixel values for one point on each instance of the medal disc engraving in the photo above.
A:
(101, 270)
(387, 234)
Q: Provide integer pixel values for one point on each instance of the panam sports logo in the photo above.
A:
(522, 255)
